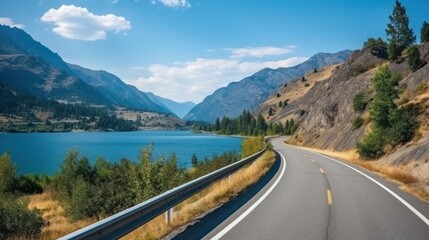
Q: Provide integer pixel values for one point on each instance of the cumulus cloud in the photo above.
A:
(78, 23)
(258, 51)
(194, 80)
(9, 22)
(173, 3)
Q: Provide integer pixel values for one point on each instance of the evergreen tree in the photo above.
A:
(194, 160)
(424, 33)
(393, 51)
(398, 29)
(217, 125)
(414, 58)
(270, 111)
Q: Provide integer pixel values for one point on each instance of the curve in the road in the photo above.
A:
(318, 197)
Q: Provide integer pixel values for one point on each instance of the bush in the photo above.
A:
(372, 145)
(377, 46)
(359, 102)
(414, 61)
(16, 220)
(357, 122)
(7, 173)
(27, 184)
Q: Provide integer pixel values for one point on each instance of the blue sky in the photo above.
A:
(186, 49)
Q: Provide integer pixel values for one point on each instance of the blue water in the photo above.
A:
(44, 152)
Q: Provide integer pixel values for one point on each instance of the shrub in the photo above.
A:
(7, 173)
(414, 61)
(377, 46)
(359, 102)
(27, 184)
(357, 122)
(17, 221)
(306, 85)
(372, 145)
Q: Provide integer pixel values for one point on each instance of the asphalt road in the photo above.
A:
(315, 197)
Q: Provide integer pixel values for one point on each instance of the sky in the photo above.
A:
(186, 49)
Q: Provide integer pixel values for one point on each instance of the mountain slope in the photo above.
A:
(29, 66)
(117, 92)
(325, 111)
(179, 108)
(248, 93)
(17, 41)
(32, 75)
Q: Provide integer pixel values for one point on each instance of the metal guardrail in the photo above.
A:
(126, 221)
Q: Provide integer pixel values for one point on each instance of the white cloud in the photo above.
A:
(173, 3)
(9, 22)
(258, 51)
(78, 23)
(194, 80)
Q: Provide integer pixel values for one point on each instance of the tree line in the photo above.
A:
(89, 118)
(247, 125)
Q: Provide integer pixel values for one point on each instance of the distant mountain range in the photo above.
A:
(248, 93)
(28, 66)
(179, 108)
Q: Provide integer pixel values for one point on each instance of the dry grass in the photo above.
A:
(398, 174)
(204, 202)
(53, 213)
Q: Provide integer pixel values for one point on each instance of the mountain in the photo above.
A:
(179, 108)
(29, 74)
(117, 92)
(248, 93)
(16, 41)
(325, 113)
(27, 65)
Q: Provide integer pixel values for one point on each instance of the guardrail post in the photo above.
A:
(169, 216)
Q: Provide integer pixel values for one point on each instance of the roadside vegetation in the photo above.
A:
(82, 193)
(207, 200)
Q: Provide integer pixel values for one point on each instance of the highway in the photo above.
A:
(312, 196)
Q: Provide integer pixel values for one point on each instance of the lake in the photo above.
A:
(44, 152)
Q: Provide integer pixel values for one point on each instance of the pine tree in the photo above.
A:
(398, 29)
(270, 111)
(194, 160)
(424, 33)
(414, 58)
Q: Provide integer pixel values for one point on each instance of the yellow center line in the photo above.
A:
(321, 170)
(329, 197)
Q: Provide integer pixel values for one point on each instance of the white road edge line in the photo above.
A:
(251, 208)
(415, 211)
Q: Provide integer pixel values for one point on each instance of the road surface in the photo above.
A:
(315, 197)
